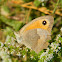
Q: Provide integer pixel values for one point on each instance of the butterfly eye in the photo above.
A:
(44, 22)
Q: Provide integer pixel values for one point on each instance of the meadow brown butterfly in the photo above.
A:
(36, 33)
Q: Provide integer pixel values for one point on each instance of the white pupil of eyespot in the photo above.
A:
(44, 21)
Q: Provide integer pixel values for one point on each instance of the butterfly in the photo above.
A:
(35, 34)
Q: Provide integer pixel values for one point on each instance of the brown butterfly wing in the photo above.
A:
(30, 38)
(36, 39)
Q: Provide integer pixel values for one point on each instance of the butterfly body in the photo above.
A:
(35, 34)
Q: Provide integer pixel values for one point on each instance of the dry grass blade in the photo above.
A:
(28, 15)
(17, 1)
(30, 5)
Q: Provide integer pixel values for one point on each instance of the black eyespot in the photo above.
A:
(44, 22)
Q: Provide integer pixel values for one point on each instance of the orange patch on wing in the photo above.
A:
(36, 24)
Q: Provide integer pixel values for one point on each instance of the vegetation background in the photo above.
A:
(14, 14)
